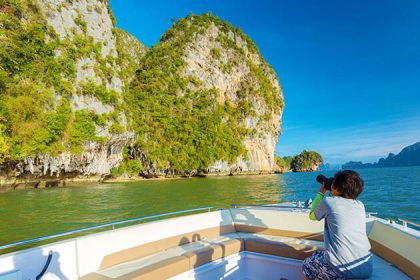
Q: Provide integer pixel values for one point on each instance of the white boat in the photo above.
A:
(244, 242)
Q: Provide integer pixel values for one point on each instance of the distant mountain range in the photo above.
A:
(409, 156)
(329, 167)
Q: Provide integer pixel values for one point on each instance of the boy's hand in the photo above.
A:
(323, 189)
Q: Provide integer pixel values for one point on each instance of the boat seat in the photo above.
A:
(278, 238)
(282, 246)
(172, 261)
(147, 249)
(178, 259)
(94, 276)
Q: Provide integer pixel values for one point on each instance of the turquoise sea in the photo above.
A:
(392, 192)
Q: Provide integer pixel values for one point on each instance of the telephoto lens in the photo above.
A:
(327, 181)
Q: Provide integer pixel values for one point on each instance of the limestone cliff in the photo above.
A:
(83, 99)
(208, 83)
(82, 42)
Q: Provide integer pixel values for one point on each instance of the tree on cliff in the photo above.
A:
(306, 161)
(283, 165)
(288, 160)
(4, 147)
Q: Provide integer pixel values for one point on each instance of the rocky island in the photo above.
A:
(83, 100)
(306, 161)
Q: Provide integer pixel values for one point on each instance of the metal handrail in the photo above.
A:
(254, 205)
(267, 206)
(370, 214)
(112, 224)
(405, 222)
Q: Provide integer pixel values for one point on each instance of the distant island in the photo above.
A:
(306, 161)
(409, 156)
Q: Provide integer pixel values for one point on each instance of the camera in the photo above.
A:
(327, 181)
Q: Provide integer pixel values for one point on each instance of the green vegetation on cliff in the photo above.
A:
(284, 163)
(35, 83)
(306, 161)
(4, 146)
(130, 52)
(129, 166)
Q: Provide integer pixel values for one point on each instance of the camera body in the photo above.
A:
(327, 181)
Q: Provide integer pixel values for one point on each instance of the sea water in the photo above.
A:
(391, 192)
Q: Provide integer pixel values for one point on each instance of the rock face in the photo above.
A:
(95, 160)
(90, 19)
(93, 20)
(210, 69)
(217, 78)
(85, 36)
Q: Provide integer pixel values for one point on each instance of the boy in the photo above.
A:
(346, 254)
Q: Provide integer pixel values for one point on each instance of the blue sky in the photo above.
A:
(350, 70)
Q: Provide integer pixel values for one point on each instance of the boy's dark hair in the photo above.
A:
(348, 183)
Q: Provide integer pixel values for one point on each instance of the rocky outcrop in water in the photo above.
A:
(306, 161)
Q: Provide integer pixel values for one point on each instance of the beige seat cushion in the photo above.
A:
(215, 251)
(94, 276)
(281, 239)
(163, 244)
(279, 232)
(195, 254)
(287, 250)
(161, 270)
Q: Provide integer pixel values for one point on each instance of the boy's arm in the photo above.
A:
(319, 197)
(315, 203)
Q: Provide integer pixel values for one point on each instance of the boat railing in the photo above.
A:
(371, 214)
(304, 205)
(405, 222)
(110, 224)
(264, 206)
(293, 205)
